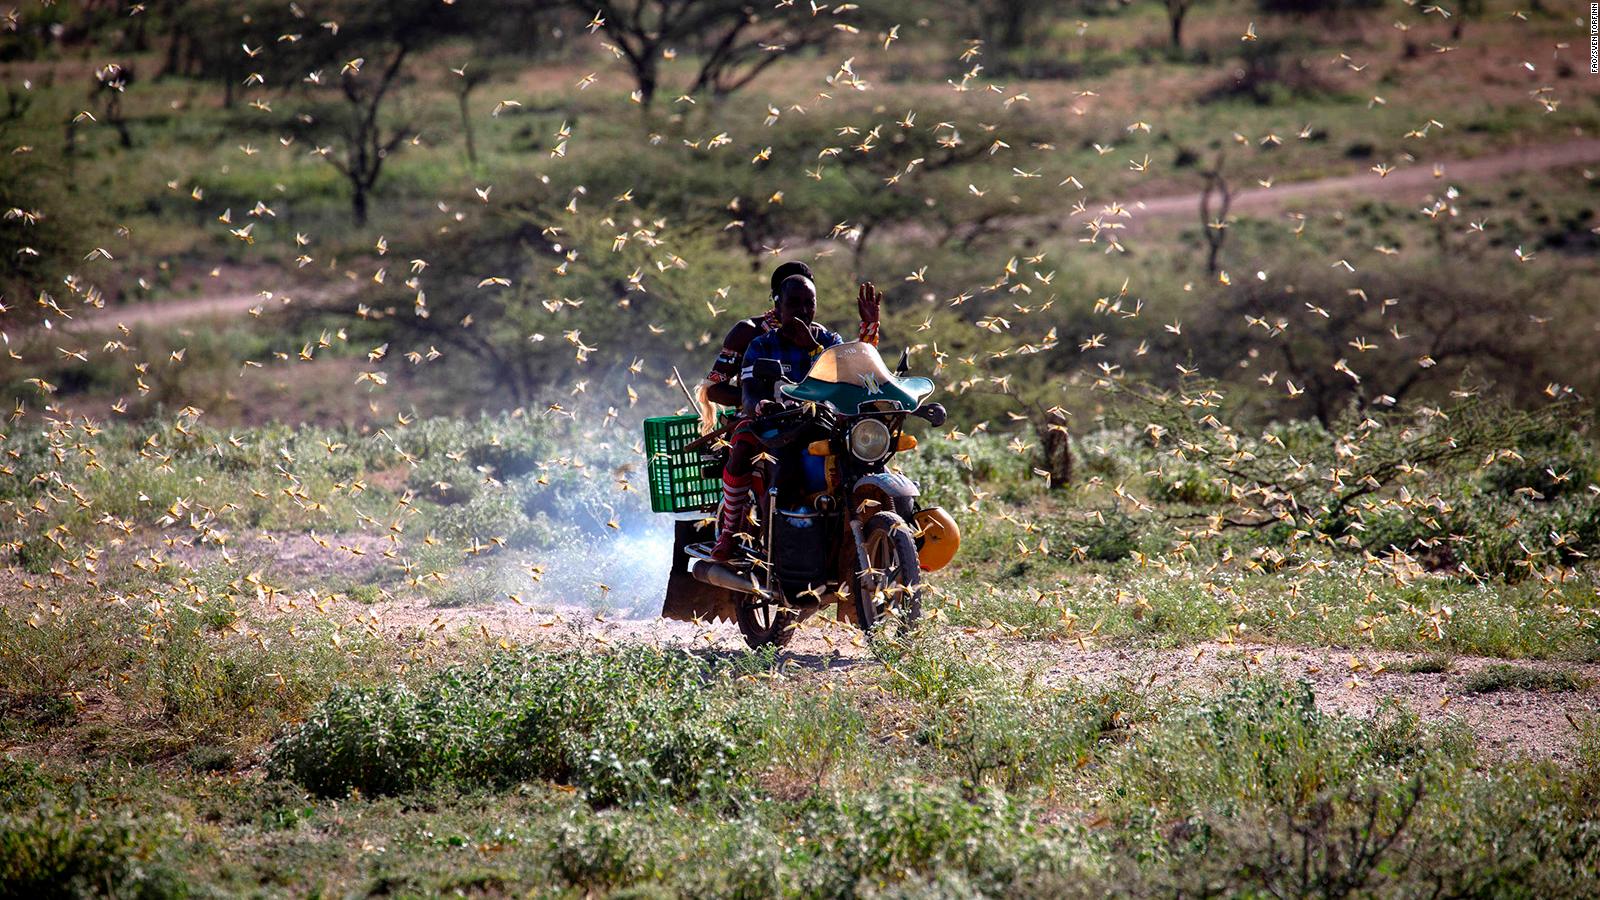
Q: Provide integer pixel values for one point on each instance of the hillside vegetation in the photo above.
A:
(1265, 329)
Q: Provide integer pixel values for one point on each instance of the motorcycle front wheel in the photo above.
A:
(892, 586)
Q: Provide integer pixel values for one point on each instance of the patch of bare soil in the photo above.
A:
(233, 292)
(820, 643)
(1506, 723)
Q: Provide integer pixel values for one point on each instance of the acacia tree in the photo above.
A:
(467, 80)
(1177, 10)
(733, 43)
(1214, 228)
(367, 144)
(1392, 334)
(367, 47)
(227, 41)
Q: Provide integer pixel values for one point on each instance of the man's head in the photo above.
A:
(785, 271)
(797, 303)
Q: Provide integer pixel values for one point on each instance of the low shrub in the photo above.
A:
(1508, 677)
(1263, 741)
(58, 852)
(909, 834)
(623, 727)
(1105, 535)
(1187, 484)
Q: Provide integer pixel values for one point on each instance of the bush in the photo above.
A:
(1491, 533)
(1107, 535)
(1263, 741)
(56, 852)
(1508, 677)
(1271, 73)
(1553, 463)
(906, 834)
(623, 727)
(1190, 484)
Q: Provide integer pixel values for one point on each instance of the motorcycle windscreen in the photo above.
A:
(847, 375)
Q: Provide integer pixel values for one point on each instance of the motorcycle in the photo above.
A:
(832, 524)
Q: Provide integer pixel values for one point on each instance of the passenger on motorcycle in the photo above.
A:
(795, 342)
(723, 379)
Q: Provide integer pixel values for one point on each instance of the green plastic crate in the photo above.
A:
(677, 477)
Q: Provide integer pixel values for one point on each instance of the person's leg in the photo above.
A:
(738, 479)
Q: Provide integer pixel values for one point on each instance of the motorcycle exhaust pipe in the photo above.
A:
(718, 575)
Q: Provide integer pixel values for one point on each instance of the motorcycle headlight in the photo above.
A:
(869, 440)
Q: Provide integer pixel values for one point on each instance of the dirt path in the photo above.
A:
(230, 300)
(1411, 178)
(1346, 681)
(1349, 682)
(1539, 157)
(238, 301)
(1506, 723)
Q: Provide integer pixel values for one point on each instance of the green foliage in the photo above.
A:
(623, 727)
(1264, 742)
(45, 228)
(203, 673)
(1548, 465)
(948, 472)
(1188, 484)
(988, 727)
(1429, 664)
(59, 852)
(1508, 677)
(1106, 535)
(1490, 534)
(906, 833)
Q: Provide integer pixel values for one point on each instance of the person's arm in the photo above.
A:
(724, 375)
(749, 394)
(868, 302)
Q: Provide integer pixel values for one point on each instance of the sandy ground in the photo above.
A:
(233, 293)
(1348, 681)
(1351, 682)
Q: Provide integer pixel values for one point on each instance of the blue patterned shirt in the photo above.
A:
(796, 361)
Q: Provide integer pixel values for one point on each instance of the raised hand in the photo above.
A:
(868, 300)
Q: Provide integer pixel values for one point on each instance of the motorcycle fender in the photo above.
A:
(883, 492)
(687, 599)
(850, 578)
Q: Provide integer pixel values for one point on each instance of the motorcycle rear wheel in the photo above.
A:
(894, 588)
(767, 623)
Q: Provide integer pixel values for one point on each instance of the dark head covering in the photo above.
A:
(782, 272)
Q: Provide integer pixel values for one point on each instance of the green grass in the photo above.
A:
(1430, 664)
(1250, 789)
(179, 725)
(1507, 677)
(623, 728)
(1177, 603)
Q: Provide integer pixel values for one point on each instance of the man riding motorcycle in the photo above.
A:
(795, 342)
(723, 379)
